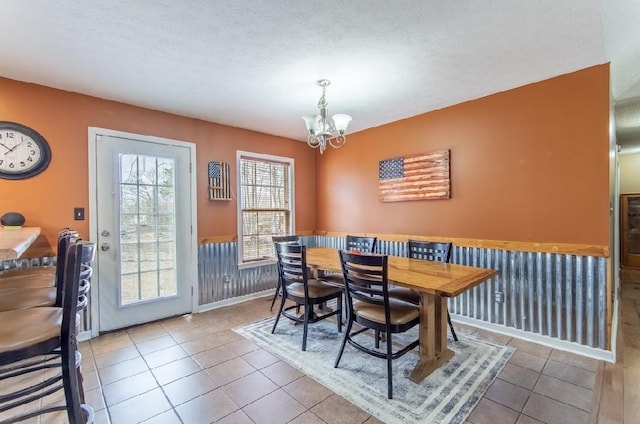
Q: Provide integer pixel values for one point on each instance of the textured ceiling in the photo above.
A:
(253, 64)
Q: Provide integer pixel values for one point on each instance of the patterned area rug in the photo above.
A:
(446, 396)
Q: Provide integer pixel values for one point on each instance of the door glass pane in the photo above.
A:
(147, 228)
(633, 220)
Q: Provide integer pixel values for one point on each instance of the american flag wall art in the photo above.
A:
(416, 177)
(219, 188)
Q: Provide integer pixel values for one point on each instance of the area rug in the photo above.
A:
(448, 395)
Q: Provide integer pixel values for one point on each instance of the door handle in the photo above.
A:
(105, 247)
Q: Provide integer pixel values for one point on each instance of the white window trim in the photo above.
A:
(292, 217)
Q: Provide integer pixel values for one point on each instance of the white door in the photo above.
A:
(144, 231)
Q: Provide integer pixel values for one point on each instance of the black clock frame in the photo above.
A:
(37, 138)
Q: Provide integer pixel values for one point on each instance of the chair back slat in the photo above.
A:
(430, 250)
(361, 244)
(292, 264)
(365, 277)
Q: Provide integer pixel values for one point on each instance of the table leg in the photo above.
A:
(433, 336)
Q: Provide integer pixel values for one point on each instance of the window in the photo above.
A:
(265, 206)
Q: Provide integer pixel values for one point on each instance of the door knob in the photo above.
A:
(105, 233)
(105, 247)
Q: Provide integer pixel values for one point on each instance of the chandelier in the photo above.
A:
(323, 131)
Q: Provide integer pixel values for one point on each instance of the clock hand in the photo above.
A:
(13, 148)
(3, 145)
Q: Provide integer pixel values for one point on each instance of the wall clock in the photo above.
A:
(23, 151)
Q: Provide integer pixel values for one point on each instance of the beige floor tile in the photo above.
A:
(203, 343)
(489, 412)
(274, 408)
(238, 417)
(309, 418)
(492, 337)
(140, 408)
(146, 332)
(564, 392)
(519, 376)
(260, 358)
(249, 388)
(95, 399)
(242, 346)
(524, 419)
(129, 387)
(507, 394)
(527, 360)
(337, 410)
(229, 371)
(168, 417)
(115, 356)
(122, 370)
(569, 358)
(532, 348)
(164, 356)
(217, 355)
(187, 388)
(550, 410)
(101, 417)
(176, 370)
(307, 391)
(281, 373)
(207, 408)
(153, 345)
(570, 374)
(110, 342)
(90, 380)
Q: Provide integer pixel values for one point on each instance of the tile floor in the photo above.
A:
(195, 369)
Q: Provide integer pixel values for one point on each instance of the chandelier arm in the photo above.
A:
(339, 141)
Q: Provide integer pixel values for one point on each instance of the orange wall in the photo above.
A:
(529, 164)
(47, 200)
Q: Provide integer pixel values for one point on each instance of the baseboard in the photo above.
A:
(572, 347)
(232, 301)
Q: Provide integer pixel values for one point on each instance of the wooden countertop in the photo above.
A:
(14, 241)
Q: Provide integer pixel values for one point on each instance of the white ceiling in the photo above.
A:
(253, 64)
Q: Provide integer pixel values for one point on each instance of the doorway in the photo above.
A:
(143, 219)
(630, 225)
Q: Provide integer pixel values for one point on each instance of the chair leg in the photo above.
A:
(377, 336)
(308, 309)
(344, 342)
(80, 377)
(389, 368)
(453, 332)
(339, 315)
(275, 324)
(71, 390)
(275, 295)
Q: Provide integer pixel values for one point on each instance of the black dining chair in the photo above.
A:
(354, 243)
(292, 239)
(29, 335)
(428, 251)
(371, 307)
(303, 291)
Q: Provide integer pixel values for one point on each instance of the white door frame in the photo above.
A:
(191, 269)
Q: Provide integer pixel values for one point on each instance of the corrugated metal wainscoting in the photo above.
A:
(555, 295)
(219, 277)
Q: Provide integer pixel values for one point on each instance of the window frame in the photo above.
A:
(240, 155)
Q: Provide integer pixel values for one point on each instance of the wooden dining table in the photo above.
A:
(14, 241)
(435, 281)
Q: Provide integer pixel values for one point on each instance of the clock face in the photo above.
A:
(23, 152)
